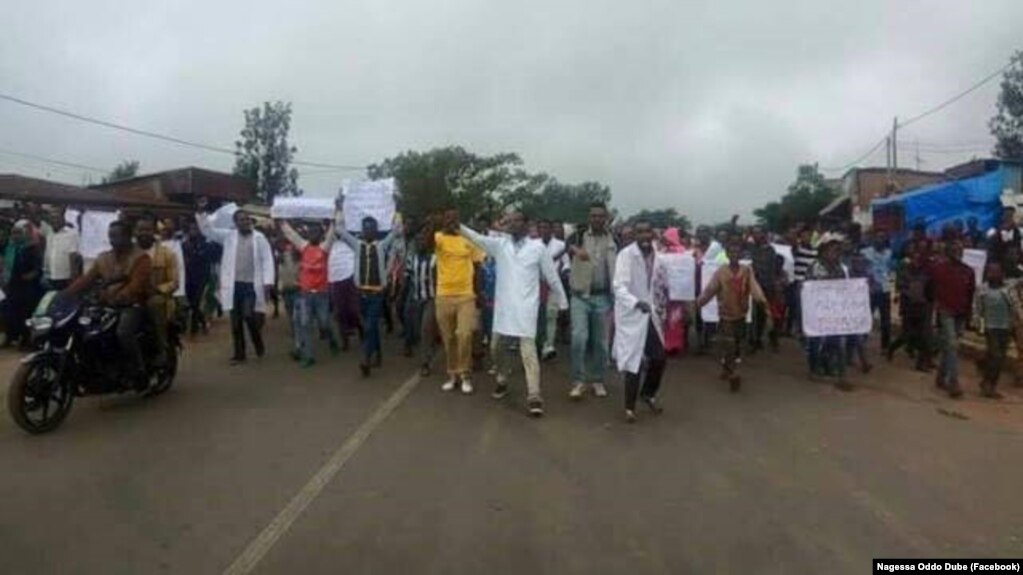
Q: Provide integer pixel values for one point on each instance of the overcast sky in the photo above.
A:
(706, 106)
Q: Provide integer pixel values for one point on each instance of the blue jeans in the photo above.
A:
(313, 311)
(950, 329)
(589, 337)
(371, 309)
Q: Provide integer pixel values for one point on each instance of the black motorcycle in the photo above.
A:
(78, 355)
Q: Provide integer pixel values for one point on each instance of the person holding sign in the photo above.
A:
(313, 303)
(827, 355)
(641, 300)
(246, 277)
(370, 278)
(733, 286)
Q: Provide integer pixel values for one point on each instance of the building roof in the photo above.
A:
(897, 172)
(18, 188)
(184, 182)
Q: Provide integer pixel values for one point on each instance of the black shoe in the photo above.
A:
(734, 383)
(535, 408)
(500, 391)
(365, 369)
(654, 405)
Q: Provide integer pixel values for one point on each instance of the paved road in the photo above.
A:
(787, 476)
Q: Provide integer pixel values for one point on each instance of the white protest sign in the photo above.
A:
(223, 218)
(303, 208)
(836, 307)
(976, 259)
(93, 238)
(789, 266)
(709, 313)
(71, 217)
(681, 270)
(373, 199)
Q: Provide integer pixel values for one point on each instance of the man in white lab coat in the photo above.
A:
(556, 248)
(246, 277)
(641, 297)
(521, 264)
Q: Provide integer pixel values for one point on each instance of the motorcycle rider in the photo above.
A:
(163, 283)
(123, 274)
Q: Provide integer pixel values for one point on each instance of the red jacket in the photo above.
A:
(954, 284)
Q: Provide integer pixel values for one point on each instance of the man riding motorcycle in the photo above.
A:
(123, 275)
(163, 283)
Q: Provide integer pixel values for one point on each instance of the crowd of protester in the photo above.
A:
(476, 294)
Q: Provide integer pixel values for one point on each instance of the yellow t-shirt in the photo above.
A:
(455, 258)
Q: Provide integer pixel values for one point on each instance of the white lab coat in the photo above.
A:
(263, 262)
(174, 245)
(632, 286)
(520, 267)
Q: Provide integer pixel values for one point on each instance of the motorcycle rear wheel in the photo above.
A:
(36, 399)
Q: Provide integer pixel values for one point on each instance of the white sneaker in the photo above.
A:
(449, 385)
(466, 386)
(599, 390)
(578, 389)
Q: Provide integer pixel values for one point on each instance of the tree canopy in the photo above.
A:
(558, 201)
(664, 218)
(803, 201)
(125, 170)
(1007, 125)
(263, 153)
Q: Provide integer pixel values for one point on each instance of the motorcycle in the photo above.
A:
(78, 355)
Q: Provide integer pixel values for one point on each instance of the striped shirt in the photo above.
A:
(421, 276)
(804, 258)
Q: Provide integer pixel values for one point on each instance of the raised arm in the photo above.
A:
(206, 227)
(294, 237)
(486, 243)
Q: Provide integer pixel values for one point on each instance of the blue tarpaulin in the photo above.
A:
(938, 205)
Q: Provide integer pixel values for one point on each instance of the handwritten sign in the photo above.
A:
(303, 208)
(94, 239)
(681, 270)
(976, 259)
(836, 307)
(373, 199)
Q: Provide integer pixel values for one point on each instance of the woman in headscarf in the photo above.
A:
(675, 316)
(22, 286)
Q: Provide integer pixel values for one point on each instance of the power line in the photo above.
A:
(155, 135)
(958, 96)
(52, 161)
(866, 155)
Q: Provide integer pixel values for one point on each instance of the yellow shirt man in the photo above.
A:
(455, 259)
(456, 305)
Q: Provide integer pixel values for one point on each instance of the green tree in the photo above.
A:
(1007, 124)
(452, 177)
(263, 153)
(803, 201)
(125, 170)
(664, 218)
(556, 200)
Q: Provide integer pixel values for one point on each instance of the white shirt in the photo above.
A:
(340, 263)
(556, 249)
(174, 245)
(59, 247)
(520, 266)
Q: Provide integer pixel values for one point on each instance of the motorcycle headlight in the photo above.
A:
(85, 321)
(40, 325)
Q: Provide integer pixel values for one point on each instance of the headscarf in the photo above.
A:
(14, 247)
(672, 241)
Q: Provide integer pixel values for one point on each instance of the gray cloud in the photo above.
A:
(704, 106)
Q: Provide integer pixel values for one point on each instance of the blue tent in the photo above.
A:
(946, 203)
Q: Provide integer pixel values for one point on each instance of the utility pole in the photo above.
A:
(895, 143)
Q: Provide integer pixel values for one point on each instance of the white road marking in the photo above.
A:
(261, 545)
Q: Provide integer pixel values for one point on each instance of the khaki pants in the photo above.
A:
(161, 309)
(530, 362)
(456, 320)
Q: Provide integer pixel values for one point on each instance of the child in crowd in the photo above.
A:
(994, 311)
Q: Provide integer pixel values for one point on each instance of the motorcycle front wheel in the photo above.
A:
(36, 399)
